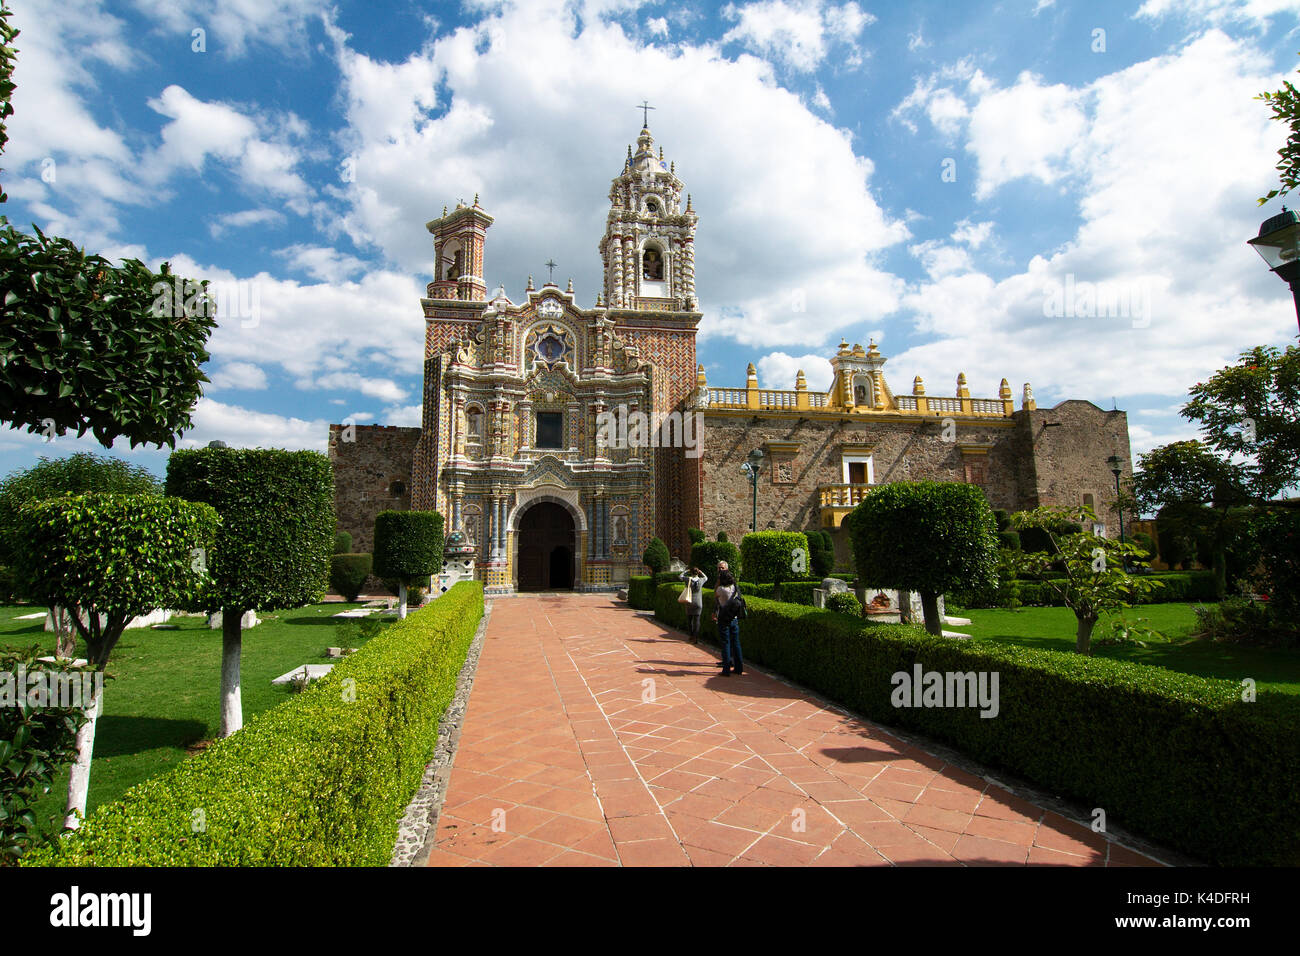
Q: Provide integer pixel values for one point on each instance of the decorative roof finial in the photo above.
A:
(530, 284)
(570, 288)
(476, 205)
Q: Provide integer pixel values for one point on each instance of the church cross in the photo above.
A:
(550, 265)
(645, 109)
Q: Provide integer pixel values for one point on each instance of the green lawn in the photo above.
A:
(1052, 628)
(161, 698)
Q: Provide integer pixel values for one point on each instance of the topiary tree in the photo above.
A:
(722, 536)
(774, 556)
(656, 556)
(343, 543)
(76, 474)
(348, 573)
(273, 550)
(408, 546)
(696, 535)
(707, 554)
(117, 557)
(925, 536)
(1009, 540)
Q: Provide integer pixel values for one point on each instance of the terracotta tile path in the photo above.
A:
(596, 737)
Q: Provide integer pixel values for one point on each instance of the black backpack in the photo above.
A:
(735, 607)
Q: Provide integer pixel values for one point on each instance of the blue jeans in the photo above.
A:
(729, 638)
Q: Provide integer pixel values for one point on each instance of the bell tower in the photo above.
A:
(459, 238)
(649, 244)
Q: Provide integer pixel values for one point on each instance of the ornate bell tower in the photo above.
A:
(649, 244)
(458, 241)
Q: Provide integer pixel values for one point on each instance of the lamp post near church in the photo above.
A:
(1116, 469)
(752, 463)
(1278, 243)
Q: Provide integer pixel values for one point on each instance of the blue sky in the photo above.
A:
(958, 181)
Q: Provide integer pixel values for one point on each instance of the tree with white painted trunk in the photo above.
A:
(273, 549)
(408, 549)
(110, 558)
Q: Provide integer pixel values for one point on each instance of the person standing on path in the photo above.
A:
(694, 579)
(728, 625)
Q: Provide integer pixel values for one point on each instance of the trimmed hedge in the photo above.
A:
(343, 542)
(408, 545)
(1164, 753)
(641, 592)
(320, 780)
(348, 573)
(656, 556)
(707, 554)
(770, 555)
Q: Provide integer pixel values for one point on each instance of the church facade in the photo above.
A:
(560, 439)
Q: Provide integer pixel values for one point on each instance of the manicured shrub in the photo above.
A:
(823, 553)
(342, 542)
(925, 536)
(321, 780)
(273, 548)
(1198, 739)
(844, 603)
(656, 556)
(722, 536)
(348, 573)
(640, 592)
(706, 556)
(696, 535)
(1009, 540)
(408, 549)
(1003, 519)
(774, 555)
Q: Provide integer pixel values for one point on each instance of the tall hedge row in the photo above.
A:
(1179, 758)
(321, 780)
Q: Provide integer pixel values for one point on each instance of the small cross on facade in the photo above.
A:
(550, 266)
(645, 109)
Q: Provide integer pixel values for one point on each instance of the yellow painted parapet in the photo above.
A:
(859, 388)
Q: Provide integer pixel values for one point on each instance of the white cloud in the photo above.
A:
(243, 219)
(805, 186)
(973, 234)
(199, 130)
(232, 25)
(779, 370)
(797, 34)
(322, 262)
(1218, 12)
(247, 428)
(381, 388)
(657, 27)
(403, 416)
(1193, 296)
(237, 375)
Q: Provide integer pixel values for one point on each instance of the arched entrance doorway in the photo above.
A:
(547, 542)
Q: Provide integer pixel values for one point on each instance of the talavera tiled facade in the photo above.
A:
(530, 440)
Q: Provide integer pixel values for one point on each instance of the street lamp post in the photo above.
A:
(1116, 469)
(1278, 243)
(750, 468)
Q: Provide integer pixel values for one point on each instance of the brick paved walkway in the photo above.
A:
(594, 736)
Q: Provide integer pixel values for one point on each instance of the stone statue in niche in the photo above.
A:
(620, 530)
(653, 265)
(860, 395)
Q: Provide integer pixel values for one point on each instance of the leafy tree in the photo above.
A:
(76, 474)
(408, 547)
(656, 556)
(1095, 581)
(117, 557)
(1180, 480)
(348, 573)
(88, 345)
(925, 536)
(1285, 105)
(273, 549)
(1249, 414)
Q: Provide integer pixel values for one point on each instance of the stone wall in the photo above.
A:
(365, 472)
(1069, 447)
